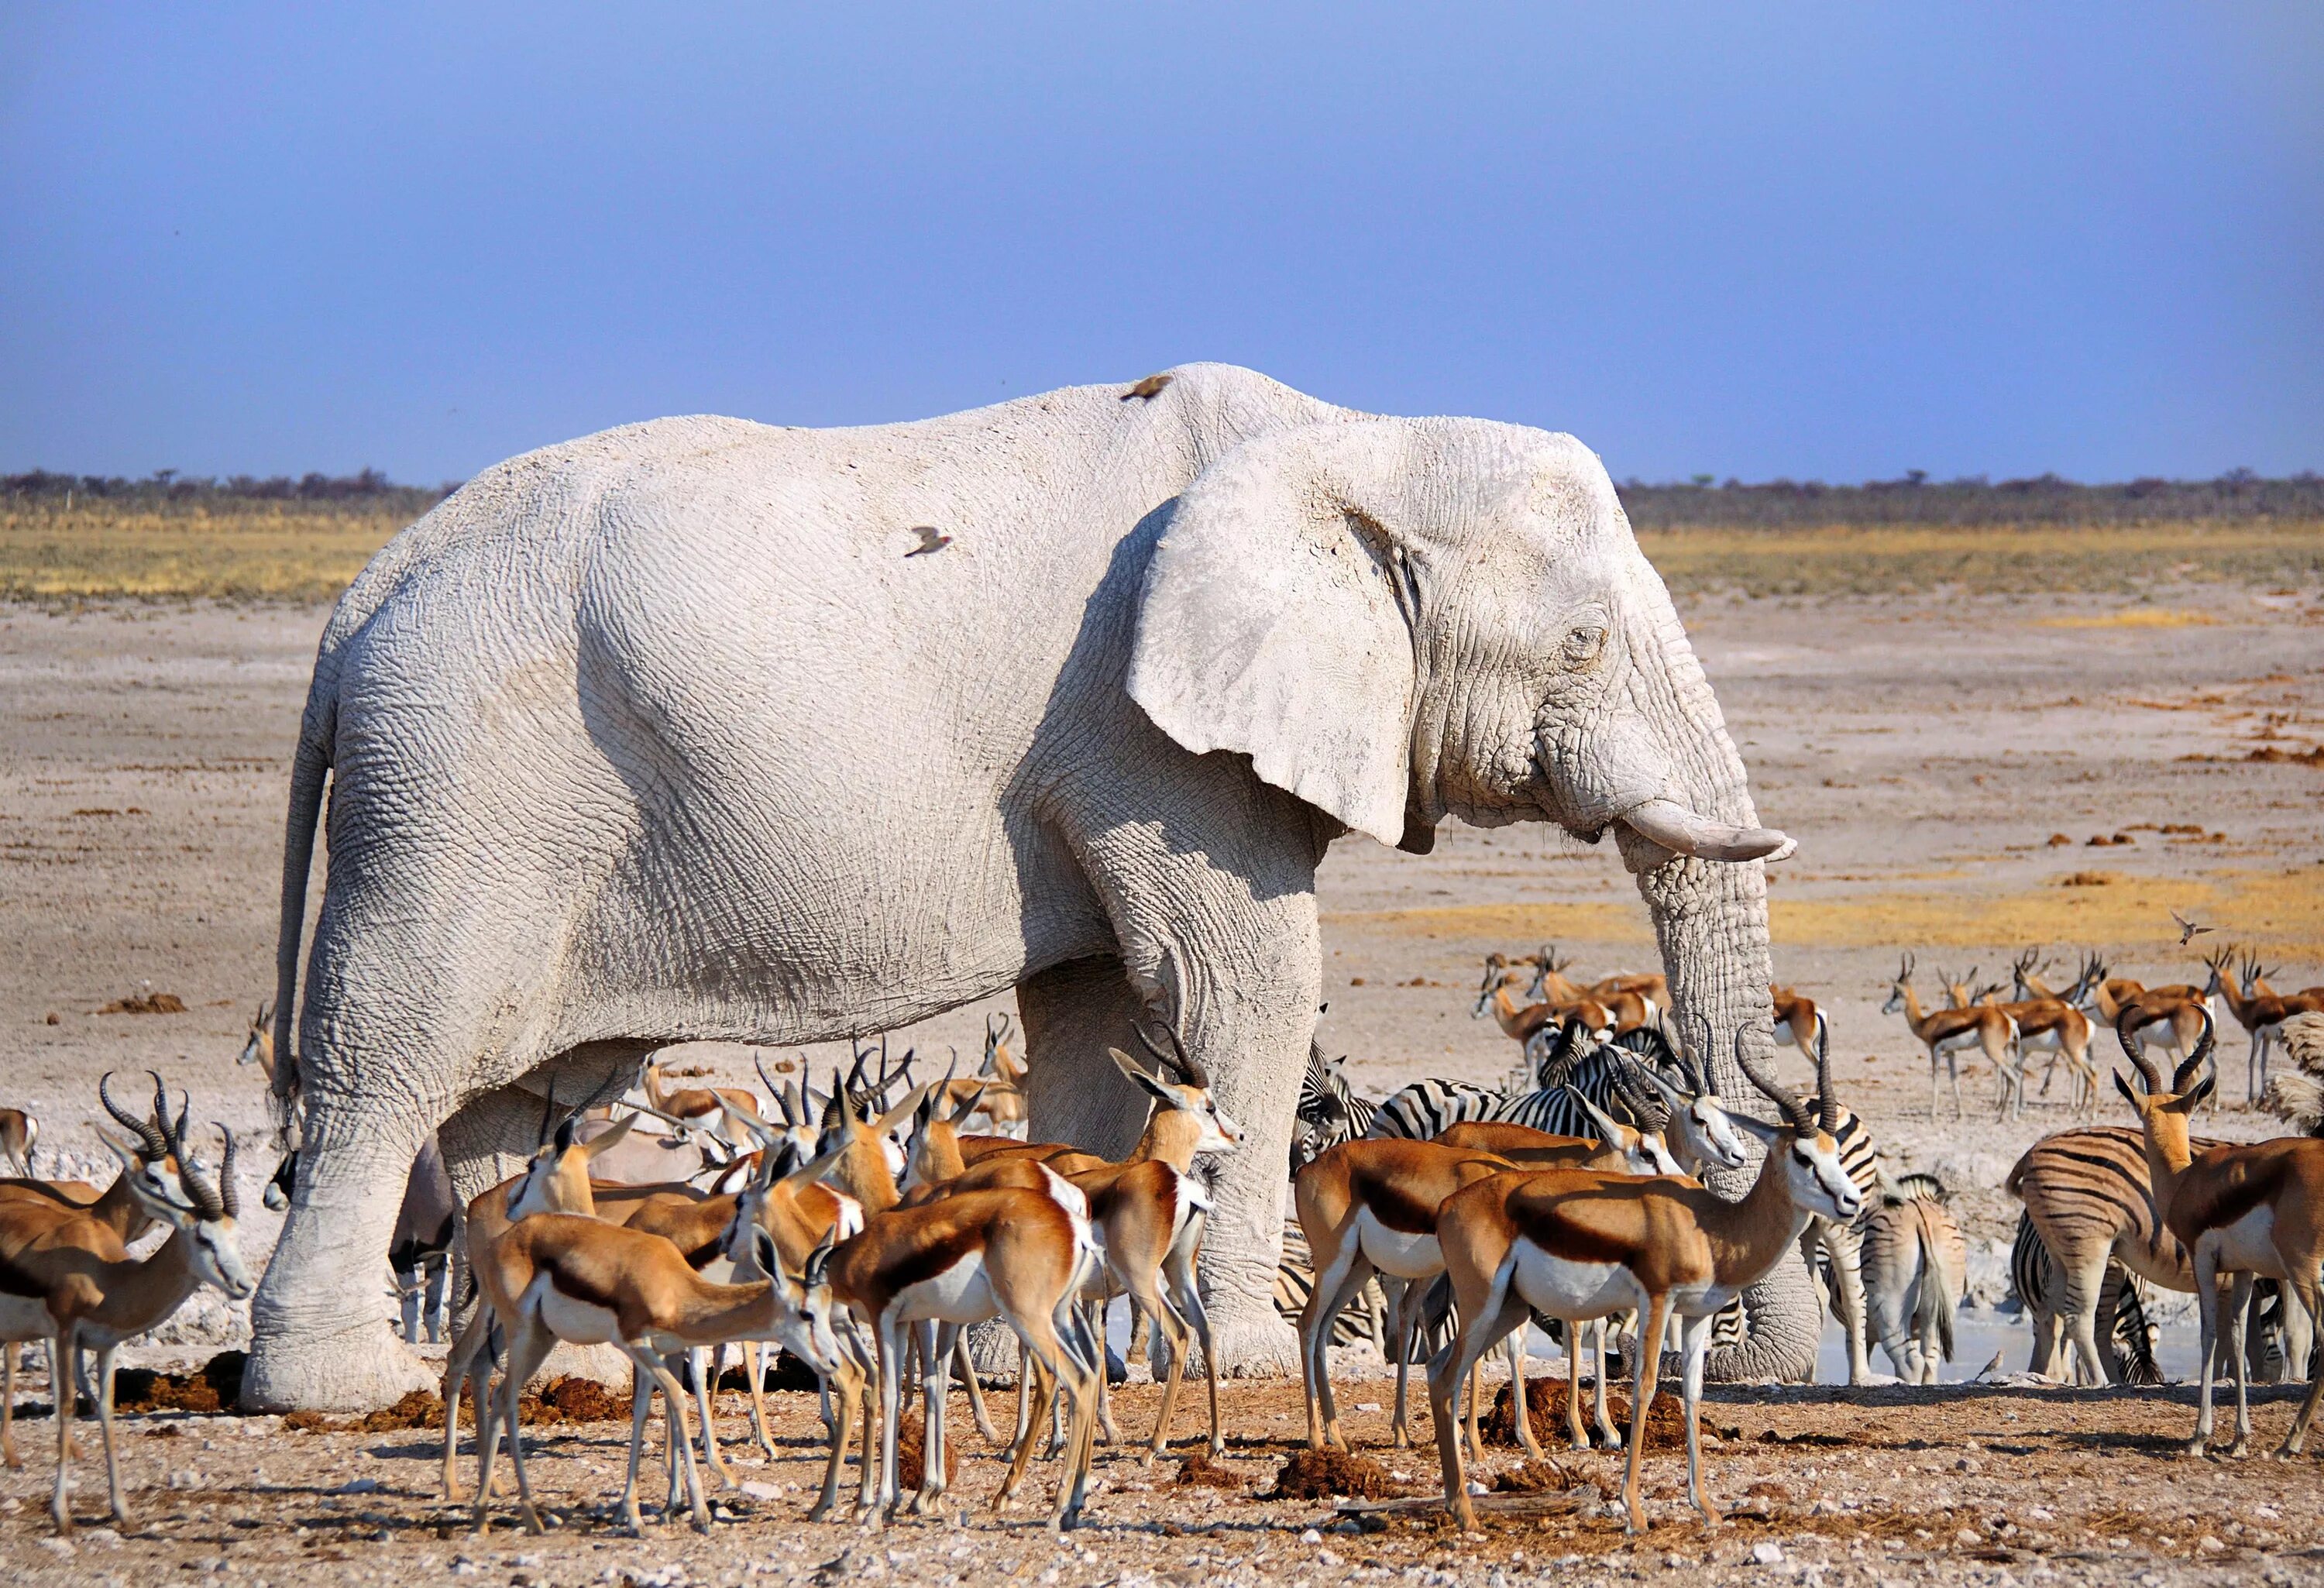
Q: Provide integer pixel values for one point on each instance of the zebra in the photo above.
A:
(1427, 1109)
(1330, 1109)
(2088, 1197)
(2130, 1338)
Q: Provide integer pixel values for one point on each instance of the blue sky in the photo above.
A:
(1822, 240)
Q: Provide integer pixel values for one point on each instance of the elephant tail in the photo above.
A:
(310, 770)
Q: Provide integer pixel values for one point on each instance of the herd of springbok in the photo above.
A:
(862, 1227)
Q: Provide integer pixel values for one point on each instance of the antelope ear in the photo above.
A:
(1758, 1130)
(2123, 1086)
(1278, 615)
(1136, 1072)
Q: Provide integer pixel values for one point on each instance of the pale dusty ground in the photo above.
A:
(1922, 752)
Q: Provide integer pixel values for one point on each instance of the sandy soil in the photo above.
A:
(1925, 752)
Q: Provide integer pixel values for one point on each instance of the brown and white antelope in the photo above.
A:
(1798, 1020)
(20, 1133)
(1576, 1244)
(1708, 1141)
(1369, 1207)
(1945, 1032)
(2249, 1211)
(2259, 1011)
(1023, 1256)
(557, 1276)
(1147, 1209)
(697, 1108)
(71, 1282)
(2173, 1017)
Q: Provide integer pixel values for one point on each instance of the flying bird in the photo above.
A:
(1147, 389)
(929, 540)
(2188, 931)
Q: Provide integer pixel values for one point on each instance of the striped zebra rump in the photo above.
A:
(1362, 1321)
(2089, 1186)
(2122, 1320)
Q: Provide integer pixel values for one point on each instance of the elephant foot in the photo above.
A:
(354, 1370)
(1255, 1343)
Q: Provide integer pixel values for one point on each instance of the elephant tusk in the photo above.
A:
(1682, 832)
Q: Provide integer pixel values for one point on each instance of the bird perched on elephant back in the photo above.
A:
(660, 734)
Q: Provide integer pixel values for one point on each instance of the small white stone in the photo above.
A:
(60, 1548)
(1768, 1553)
(1311, 1537)
(1367, 1406)
(756, 1490)
(2206, 1545)
(358, 1486)
(1326, 1557)
(2040, 1513)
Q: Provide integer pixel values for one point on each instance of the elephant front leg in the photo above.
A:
(319, 1341)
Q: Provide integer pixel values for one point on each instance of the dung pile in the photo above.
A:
(1324, 1474)
(1545, 1410)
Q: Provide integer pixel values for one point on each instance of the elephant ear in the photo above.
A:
(1277, 619)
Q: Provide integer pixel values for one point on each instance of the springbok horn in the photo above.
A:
(1177, 1056)
(157, 1145)
(1683, 832)
(1827, 1104)
(2148, 1070)
(765, 1079)
(1794, 1109)
(2193, 1065)
(228, 1196)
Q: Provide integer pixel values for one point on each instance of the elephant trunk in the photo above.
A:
(1710, 923)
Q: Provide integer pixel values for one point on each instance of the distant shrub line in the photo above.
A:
(369, 491)
(2046, 500)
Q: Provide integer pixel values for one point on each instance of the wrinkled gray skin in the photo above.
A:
(658, 735)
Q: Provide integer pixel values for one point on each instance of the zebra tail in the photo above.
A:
(1943, 1285)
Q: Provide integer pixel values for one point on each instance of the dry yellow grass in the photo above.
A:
(1887, 559)
(2133, 617)
(302, 551)
(261, 552)
(2276, 912)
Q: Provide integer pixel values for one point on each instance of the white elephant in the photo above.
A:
(688, 729)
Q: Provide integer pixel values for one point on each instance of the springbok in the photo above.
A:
(1576, 1244)
(1023, 1256)
(2173, 1017)
(1944, 1032)
(71, 1282)
(1365, 1206)
(1147, 1209)
(557, 1276)
(2257, 1010)
(2252, 1210)
(20, 1133)
(1798, 1020)
(697, 1108)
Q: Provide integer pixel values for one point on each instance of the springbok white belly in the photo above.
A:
(1966, 1037)
(571, 1320)
(2247, 1244)
(961, 1294)
(1564, 1287)
(1397, 1253)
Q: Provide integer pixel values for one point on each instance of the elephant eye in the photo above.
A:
(1584, 641)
